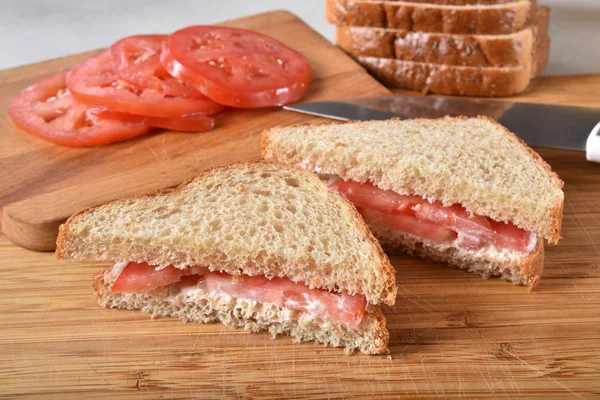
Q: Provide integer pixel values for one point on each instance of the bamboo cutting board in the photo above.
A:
(452, 334)
(43, 184)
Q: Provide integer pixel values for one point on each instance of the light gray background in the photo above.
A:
(35, 30)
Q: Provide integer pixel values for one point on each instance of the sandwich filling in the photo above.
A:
(281, 291)
(432, 221)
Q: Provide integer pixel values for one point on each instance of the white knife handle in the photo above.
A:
(592, 146)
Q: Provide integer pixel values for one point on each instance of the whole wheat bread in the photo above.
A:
(513, 49)
(485, 19)
(474, 162)
(252, 218)
(451, 79)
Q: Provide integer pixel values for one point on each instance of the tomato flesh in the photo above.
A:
(95, 82)
(283, 292)
(136, 60)
(237, 67)
(366, 195)
(342, 308)
(141, 277)
(188, 123)
(46, 109)
(433, 221)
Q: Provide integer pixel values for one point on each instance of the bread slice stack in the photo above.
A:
(453, 47)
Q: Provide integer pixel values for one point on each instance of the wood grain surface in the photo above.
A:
(43, 184)
(452, 334)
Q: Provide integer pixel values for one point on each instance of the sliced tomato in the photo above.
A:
(188, 123)
(369, 196)
(47, 109)
(409, 224)
(343, 308)
(511, 237)
(457, 218)
(141, 277)
(237, 67)
(137, 60)
(433, 221)
(95, 82)
(469, 242)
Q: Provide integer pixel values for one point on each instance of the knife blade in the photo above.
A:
(546, 125)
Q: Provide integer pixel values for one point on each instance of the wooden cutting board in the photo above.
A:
(43, 184)
(452, 335)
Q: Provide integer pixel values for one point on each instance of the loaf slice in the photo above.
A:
(513, 49)
(458, 80)
(257, 219)
(474, 162)
(370, 337)
(494, 19)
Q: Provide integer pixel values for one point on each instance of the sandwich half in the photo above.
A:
(464, 191)
(255, 245)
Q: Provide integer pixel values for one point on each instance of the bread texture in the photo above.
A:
(474, 162)
(486, 19)
(518, 268)
(448, 79)
(255, 218)
(370, 337)
(508, 50)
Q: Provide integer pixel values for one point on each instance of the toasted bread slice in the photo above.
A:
(475, 162)
(370, 337)
(253, 218)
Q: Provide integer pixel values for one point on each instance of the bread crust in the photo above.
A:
(371, 337)
(388, 296)
(551, 233)
(448, 79)
(514, 49)
(494, 19)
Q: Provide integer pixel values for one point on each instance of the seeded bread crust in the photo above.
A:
(168, 228)
(493, 19)
(513, 49)
(370, 337)
(354, 140)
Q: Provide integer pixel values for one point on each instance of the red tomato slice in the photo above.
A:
(141, 277)
(187, 123)
(237, 67)
(369, 196)
(511, 237)
(433, 221)
(343, 308)
(95, 82)
(457, 218)
(409, 224)
(137, 60)
(47, 109)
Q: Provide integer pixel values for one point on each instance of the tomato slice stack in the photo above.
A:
(237, 67)
(161, 81)
(47, 109)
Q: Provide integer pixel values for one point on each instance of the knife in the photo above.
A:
(545, 125)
